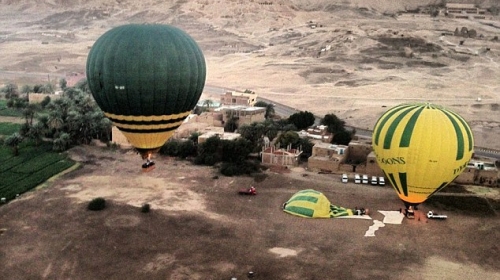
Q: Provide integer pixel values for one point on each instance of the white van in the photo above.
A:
(374, 180)
(357, 179)
(381, 181)
(345, 179)
(365, 179)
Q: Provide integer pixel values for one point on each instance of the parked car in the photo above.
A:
(381, 181)
(365, 179)
(345, 179)
(357, 179)
(374, 180)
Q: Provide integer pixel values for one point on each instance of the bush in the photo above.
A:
(113, 145)
(97, 204)
(230, 169)
(234, 169)
(45, 102)
(145, 208)
(171, 148)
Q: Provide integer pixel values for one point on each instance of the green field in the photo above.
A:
(9, 112)
(9, 128)
(33, 166)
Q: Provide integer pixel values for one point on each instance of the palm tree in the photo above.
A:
(29, 112)
(269, 108)
(62, 142)
(13, 141)
(207, 104)
(37, 132)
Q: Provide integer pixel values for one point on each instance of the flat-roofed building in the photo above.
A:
(242, 114)
(238, 98)
(223, 136)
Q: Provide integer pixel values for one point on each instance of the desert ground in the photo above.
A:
(199, 227)
(361, 58)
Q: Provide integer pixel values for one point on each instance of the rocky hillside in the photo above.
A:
(303, 5)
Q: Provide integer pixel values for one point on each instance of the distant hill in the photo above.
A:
(303, 5)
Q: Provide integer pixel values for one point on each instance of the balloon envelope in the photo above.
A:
(421, 148)
(147, 79)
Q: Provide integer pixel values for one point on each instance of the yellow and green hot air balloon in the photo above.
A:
(146, 78)
(421, 148)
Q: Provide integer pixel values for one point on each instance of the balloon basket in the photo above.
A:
(148, 169)
(148, 166)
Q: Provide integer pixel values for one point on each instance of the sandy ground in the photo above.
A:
(200, 228)
(356, 63)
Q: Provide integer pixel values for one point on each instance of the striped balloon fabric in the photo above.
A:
(147, 78)
(313, 204)
(421, 148)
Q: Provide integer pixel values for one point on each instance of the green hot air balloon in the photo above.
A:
(147, 78)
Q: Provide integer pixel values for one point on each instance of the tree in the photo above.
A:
(72, 92)
(10, 91)
(171, 148)
(231, 125)
(30, 111)
(333, 123)
(26, 89)
(207, 104)
(19, 103)
(36, 132)
(209, 152)
(63, 83)
(288, 138)
(45, 101)
(61, 143)
(38, 88)
(48, 88)
(254, 133)
(83, 86)
(194, 137)
(269, 108)
(306, 146)
(77, 115)
(13, 141)
(236, 151)
(302, 119)
(342, 137)
(187, 148)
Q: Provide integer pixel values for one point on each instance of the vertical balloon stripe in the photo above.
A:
(466, 128)
(408, 131)
(444, 184)
(393, 182)
(459, 135)
(404, 183)
(393, 126)
(383, 120)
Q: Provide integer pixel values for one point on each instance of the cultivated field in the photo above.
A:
(32, 167)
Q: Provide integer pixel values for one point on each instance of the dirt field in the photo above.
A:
(200, 228)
